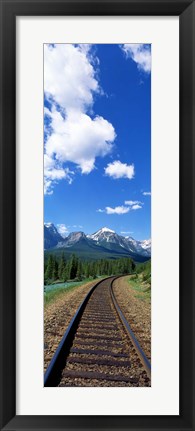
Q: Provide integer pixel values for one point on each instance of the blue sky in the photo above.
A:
(97, 133)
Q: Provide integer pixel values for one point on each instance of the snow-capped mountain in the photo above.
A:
(106, 235)
(104, 239)
(146, 245)
(141, 247)
(102, 234)
(51, 236)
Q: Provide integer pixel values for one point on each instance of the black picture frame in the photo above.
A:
(185, 9)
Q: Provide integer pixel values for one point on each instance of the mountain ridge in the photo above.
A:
(105, 241)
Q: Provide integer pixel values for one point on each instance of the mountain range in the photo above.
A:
(105, 243)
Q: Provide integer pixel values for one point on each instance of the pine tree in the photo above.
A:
(61, 267)
(73, 267)
(93, 270)
(66, 272)
(133, 266)
(49, 268)
(55, 270)
(110, 268)
(87, 270)
(79, 271)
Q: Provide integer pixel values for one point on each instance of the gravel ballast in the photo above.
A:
(136, 310)
(57, 316)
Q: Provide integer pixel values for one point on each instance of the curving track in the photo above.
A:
(99, 348)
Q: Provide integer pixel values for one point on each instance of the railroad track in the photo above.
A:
(99, 347)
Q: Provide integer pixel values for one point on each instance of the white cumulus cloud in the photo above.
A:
(73, 134)
(136, 207)
(48, 187)
(140, 53)
(122, 209)
(62, 229)
(117, 170)
(117, 210)
(53, 172)
(79, 139)
(69, 76)
(131, 203)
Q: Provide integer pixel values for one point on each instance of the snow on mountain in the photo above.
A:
(51, 236)
(51, 227)
(141, 247)
(103, 237)
(102, 234)
(107, 236)
(106, 229)
(146, 245)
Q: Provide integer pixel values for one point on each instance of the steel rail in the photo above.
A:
(52, 375)
(130, 333)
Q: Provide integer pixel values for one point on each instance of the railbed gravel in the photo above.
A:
(57, 316)
(136, 311)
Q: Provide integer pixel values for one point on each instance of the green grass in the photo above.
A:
(143, 292)
(144, 269)
(55, 291)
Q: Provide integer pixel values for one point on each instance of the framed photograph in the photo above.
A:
(97, 215)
